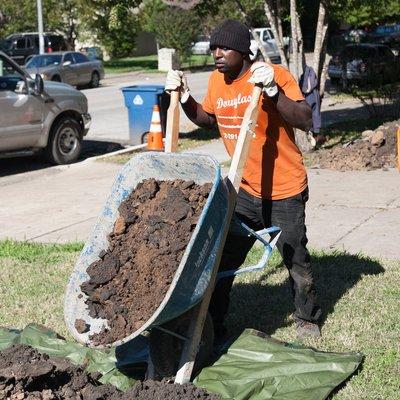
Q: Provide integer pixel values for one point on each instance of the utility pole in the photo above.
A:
(40, 26)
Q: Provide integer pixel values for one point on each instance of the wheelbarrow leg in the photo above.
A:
(150, 372)
(195, 330)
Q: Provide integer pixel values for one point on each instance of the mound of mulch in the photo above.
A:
(375, 149)
(26, 374)
(129, 281)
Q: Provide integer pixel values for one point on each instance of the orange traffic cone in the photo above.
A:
(155, 137)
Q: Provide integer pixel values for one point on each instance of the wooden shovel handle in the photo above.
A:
(172, 129)
(243, 142)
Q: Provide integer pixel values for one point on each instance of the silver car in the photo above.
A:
(69, 67)
(40, 116)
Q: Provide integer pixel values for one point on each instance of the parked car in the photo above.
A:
(267, 38)
(69, 67)
(40, 116)
(362, 63)
(19, 46)
(201, 46)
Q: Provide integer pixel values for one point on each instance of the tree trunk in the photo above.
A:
(253, 32)
(324, 69)
(322, 27)
(271, 17)
(302, 57)
(295, 44)
(279, 20)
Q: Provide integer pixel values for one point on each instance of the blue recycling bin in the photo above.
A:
(139, 100)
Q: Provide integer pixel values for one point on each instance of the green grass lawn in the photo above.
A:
(360, 298)
(150, 63)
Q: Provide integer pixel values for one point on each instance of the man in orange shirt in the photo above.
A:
(274, 185)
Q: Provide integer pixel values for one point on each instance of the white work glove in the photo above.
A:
(177, 80)
(263, 74)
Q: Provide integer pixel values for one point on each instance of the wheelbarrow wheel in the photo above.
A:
(166, 349)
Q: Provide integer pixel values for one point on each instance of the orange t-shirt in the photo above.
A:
(274, 168)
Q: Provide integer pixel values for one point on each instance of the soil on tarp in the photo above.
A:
(129, 281)
(27, 374)
(375, 149)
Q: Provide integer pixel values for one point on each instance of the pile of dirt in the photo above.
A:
(131, 278)
(26, 374)
(374, 150)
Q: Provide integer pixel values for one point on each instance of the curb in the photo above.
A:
(129, 149)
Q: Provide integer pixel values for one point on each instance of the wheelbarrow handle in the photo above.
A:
(244, 139)
(172, 128)
(268, 248)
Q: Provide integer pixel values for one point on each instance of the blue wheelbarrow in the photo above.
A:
(194, 280)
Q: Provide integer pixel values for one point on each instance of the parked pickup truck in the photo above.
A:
(40, 116)
(268, 40)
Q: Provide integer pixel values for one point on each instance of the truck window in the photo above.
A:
(20, 43)
(29, 43)
(9, 77)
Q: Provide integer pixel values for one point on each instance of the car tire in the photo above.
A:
(56, 78)
(95, 80)
(65, 141)
(165, 349)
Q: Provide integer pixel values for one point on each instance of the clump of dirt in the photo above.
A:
(131, 278)
(164, 390)
(26, 374)
(374, 150)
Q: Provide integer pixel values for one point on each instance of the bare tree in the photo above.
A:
(320, 36)
(273, 15)
(295, 44)
(324, 70)
(302, 57)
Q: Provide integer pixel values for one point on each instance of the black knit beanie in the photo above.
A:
(233, 35)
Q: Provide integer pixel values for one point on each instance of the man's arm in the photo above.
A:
(296, 113)
(176, 80)
(197, 115)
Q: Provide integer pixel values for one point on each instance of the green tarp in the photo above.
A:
(257, 367)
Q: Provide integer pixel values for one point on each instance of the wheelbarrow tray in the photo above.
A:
(198, 262)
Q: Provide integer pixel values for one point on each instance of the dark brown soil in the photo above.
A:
(374, 150)
(131, 278)
(27, 374)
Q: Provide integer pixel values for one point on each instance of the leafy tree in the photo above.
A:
(360, 13)
(173, 27)
(59, 17)
(113, 22)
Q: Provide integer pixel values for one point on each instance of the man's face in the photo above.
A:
(227, 61)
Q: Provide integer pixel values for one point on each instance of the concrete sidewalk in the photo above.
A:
(357, 211)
